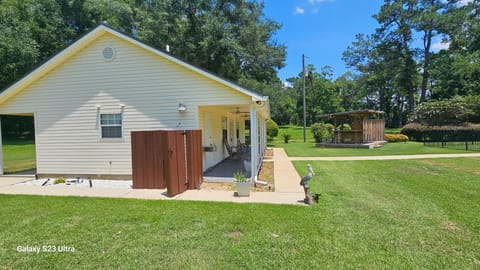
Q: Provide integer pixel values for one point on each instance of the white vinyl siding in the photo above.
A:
(145, 88)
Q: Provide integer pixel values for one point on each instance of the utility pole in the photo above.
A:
(304, 101)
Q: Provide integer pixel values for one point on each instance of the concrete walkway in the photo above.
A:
(287, 188)
(391, 157)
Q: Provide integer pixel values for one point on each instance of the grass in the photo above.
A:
(300, 149)
(297, 148)
(18, 155)
(401, 214)
(371, 215)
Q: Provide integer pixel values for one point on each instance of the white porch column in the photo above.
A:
(1, 149)
(263, 136)
(253, 139)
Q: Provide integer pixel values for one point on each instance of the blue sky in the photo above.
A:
(320, 29)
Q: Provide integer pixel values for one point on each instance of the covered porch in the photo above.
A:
(234, 139)
(223, 171)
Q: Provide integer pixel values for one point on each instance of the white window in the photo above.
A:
(111, 125)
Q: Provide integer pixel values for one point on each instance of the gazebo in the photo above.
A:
(366, 125)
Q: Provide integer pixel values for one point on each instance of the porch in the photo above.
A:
(233, 138)
(223, 171)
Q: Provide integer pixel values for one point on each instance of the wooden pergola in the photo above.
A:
(366, 126)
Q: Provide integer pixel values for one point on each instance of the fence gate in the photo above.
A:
(169, 159)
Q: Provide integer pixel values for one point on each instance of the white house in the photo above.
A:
(87, 99)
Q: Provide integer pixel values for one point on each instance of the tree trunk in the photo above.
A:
(427, 43)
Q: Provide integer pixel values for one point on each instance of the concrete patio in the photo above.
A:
(287, 189)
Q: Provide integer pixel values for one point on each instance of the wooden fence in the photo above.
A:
(373, 130)
(167, 159)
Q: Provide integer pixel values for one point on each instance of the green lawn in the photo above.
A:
(300, 149)
(400, 214)
(297, 148)
(372, 215)
(18, 155)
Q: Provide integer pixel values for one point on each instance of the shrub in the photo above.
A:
(272, 128)
(395, 137)
(322, 132)
(420, 132)
(344, 126)
(60, 180)
(286, 136)
(453, 111)
(414, 131)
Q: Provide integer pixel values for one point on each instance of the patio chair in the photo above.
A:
(231, 150)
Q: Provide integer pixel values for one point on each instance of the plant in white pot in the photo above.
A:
(242, 183)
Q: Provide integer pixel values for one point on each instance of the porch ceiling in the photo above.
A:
(235, 109)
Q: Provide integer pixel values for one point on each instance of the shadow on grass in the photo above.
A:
(17, 142)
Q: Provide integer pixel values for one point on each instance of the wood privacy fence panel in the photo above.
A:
(373, 130)
(148, 163)
(167, 159)
(177, 169)
(194, 159)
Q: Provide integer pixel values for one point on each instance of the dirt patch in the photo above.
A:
(450, 226)
(217, 186)
(268, 154)
(266, 174)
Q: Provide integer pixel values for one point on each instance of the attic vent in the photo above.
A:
(108, 53)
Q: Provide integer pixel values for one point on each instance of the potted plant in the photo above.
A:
(242, 183)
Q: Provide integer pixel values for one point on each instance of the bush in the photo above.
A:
(272, 128)
(414, 131)
(344, 126)
(453, 111)
(286, 137)
(395, 137)
(60, 180)
(322, 132)
(420, 132)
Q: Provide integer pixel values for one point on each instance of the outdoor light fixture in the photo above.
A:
(182, 107)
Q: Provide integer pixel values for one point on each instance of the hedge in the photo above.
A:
(418, 132)
(395, 137)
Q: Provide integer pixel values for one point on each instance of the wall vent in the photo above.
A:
(108, 53)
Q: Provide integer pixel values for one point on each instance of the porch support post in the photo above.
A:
(264, 137)
(1, 149)
(253, 140)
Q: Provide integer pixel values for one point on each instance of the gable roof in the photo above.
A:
(93, 35)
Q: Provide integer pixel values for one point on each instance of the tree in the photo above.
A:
(18, 50)
(395, 19)
(457, 69)
(426, 20)
(320, 94)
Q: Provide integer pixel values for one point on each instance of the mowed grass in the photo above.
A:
(300, 149)
(400, 214)
(420, 214)
(18, 155)
(297, 148)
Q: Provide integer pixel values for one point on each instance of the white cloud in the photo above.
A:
(286, 85)
(299, 10)
(440, 45)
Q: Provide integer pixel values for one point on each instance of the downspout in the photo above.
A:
(255, 106)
